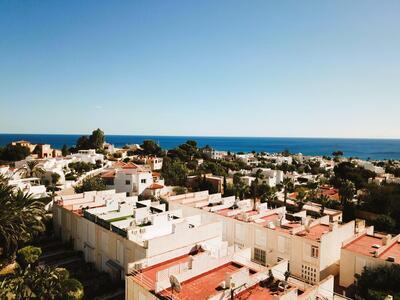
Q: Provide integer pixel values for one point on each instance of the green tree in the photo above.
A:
(288, 186)
(385, 223)
(377, 283)
(91, 183)
(324, 201)
(14, 153)
(150, 147)
(94, 141)
(301, 198)
(174, 172)
(64, 150)
(346, 191)
(30, 280)
(55, 177)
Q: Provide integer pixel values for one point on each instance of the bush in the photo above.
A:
(28, 255)
(91, 183)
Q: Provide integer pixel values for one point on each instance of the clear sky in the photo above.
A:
(225, 68)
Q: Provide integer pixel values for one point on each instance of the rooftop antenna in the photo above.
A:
(175, 284)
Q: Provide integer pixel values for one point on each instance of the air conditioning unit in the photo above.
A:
(391, 258)
(376, 246)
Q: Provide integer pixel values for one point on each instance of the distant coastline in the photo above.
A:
(357, 147)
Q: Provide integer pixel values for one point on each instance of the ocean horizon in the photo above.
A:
(363, 148)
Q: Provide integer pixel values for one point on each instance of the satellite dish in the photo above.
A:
(175, 284)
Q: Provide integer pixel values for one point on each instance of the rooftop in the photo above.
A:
(206, 284)
(370, 245)
(315, 232)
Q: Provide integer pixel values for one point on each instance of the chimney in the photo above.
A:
(386, 239)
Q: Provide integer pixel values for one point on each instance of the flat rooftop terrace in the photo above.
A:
(315, 232)
(204, 285)
(368, 244)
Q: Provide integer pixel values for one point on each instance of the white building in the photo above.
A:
(115, 231)
(248, 158)
(87, 156)
(128, 178)
(29, 186)
(311, 245)
(370, 166)
(219, 273)
(270, 177)
(155, 163)
(367, 249)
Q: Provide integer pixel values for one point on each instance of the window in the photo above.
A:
(127, 182)
(259, 256)
(309, 274)
(143, 181)
(314, 251)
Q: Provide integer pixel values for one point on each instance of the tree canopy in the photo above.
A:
(377, 283)
(91, 183)
(94, 141)
(14, 152)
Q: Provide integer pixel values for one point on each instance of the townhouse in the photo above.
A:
(367, 250)
(113, 230)
(312, 246)
(218, 272)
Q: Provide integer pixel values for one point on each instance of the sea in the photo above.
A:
(375, 149)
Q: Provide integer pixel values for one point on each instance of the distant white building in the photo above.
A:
(29, 186)
(155, 163)
(87, 156)
(128, 178)
(248, 158)
(370, 166)
(270, 177)
(215, 154)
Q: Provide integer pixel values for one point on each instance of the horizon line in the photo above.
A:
(213, 136)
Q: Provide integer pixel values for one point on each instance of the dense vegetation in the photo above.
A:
(91, 183)
(377, 283)
(21, 277)
(93, 141)
(13, 153)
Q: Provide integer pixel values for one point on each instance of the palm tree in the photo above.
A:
(347, 191)
(31, 169)
(323, 200)
(21, 219)
(287, 184)
(270, 197)
(301, 198)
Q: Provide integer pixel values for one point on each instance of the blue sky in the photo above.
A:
(224, 68)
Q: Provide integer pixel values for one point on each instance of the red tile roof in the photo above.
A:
(205, 285)
(155, 186)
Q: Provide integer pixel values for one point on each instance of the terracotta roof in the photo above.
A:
(155, 186)
(156, 174)
(108, 174)
(119, 164)
(130, 166)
